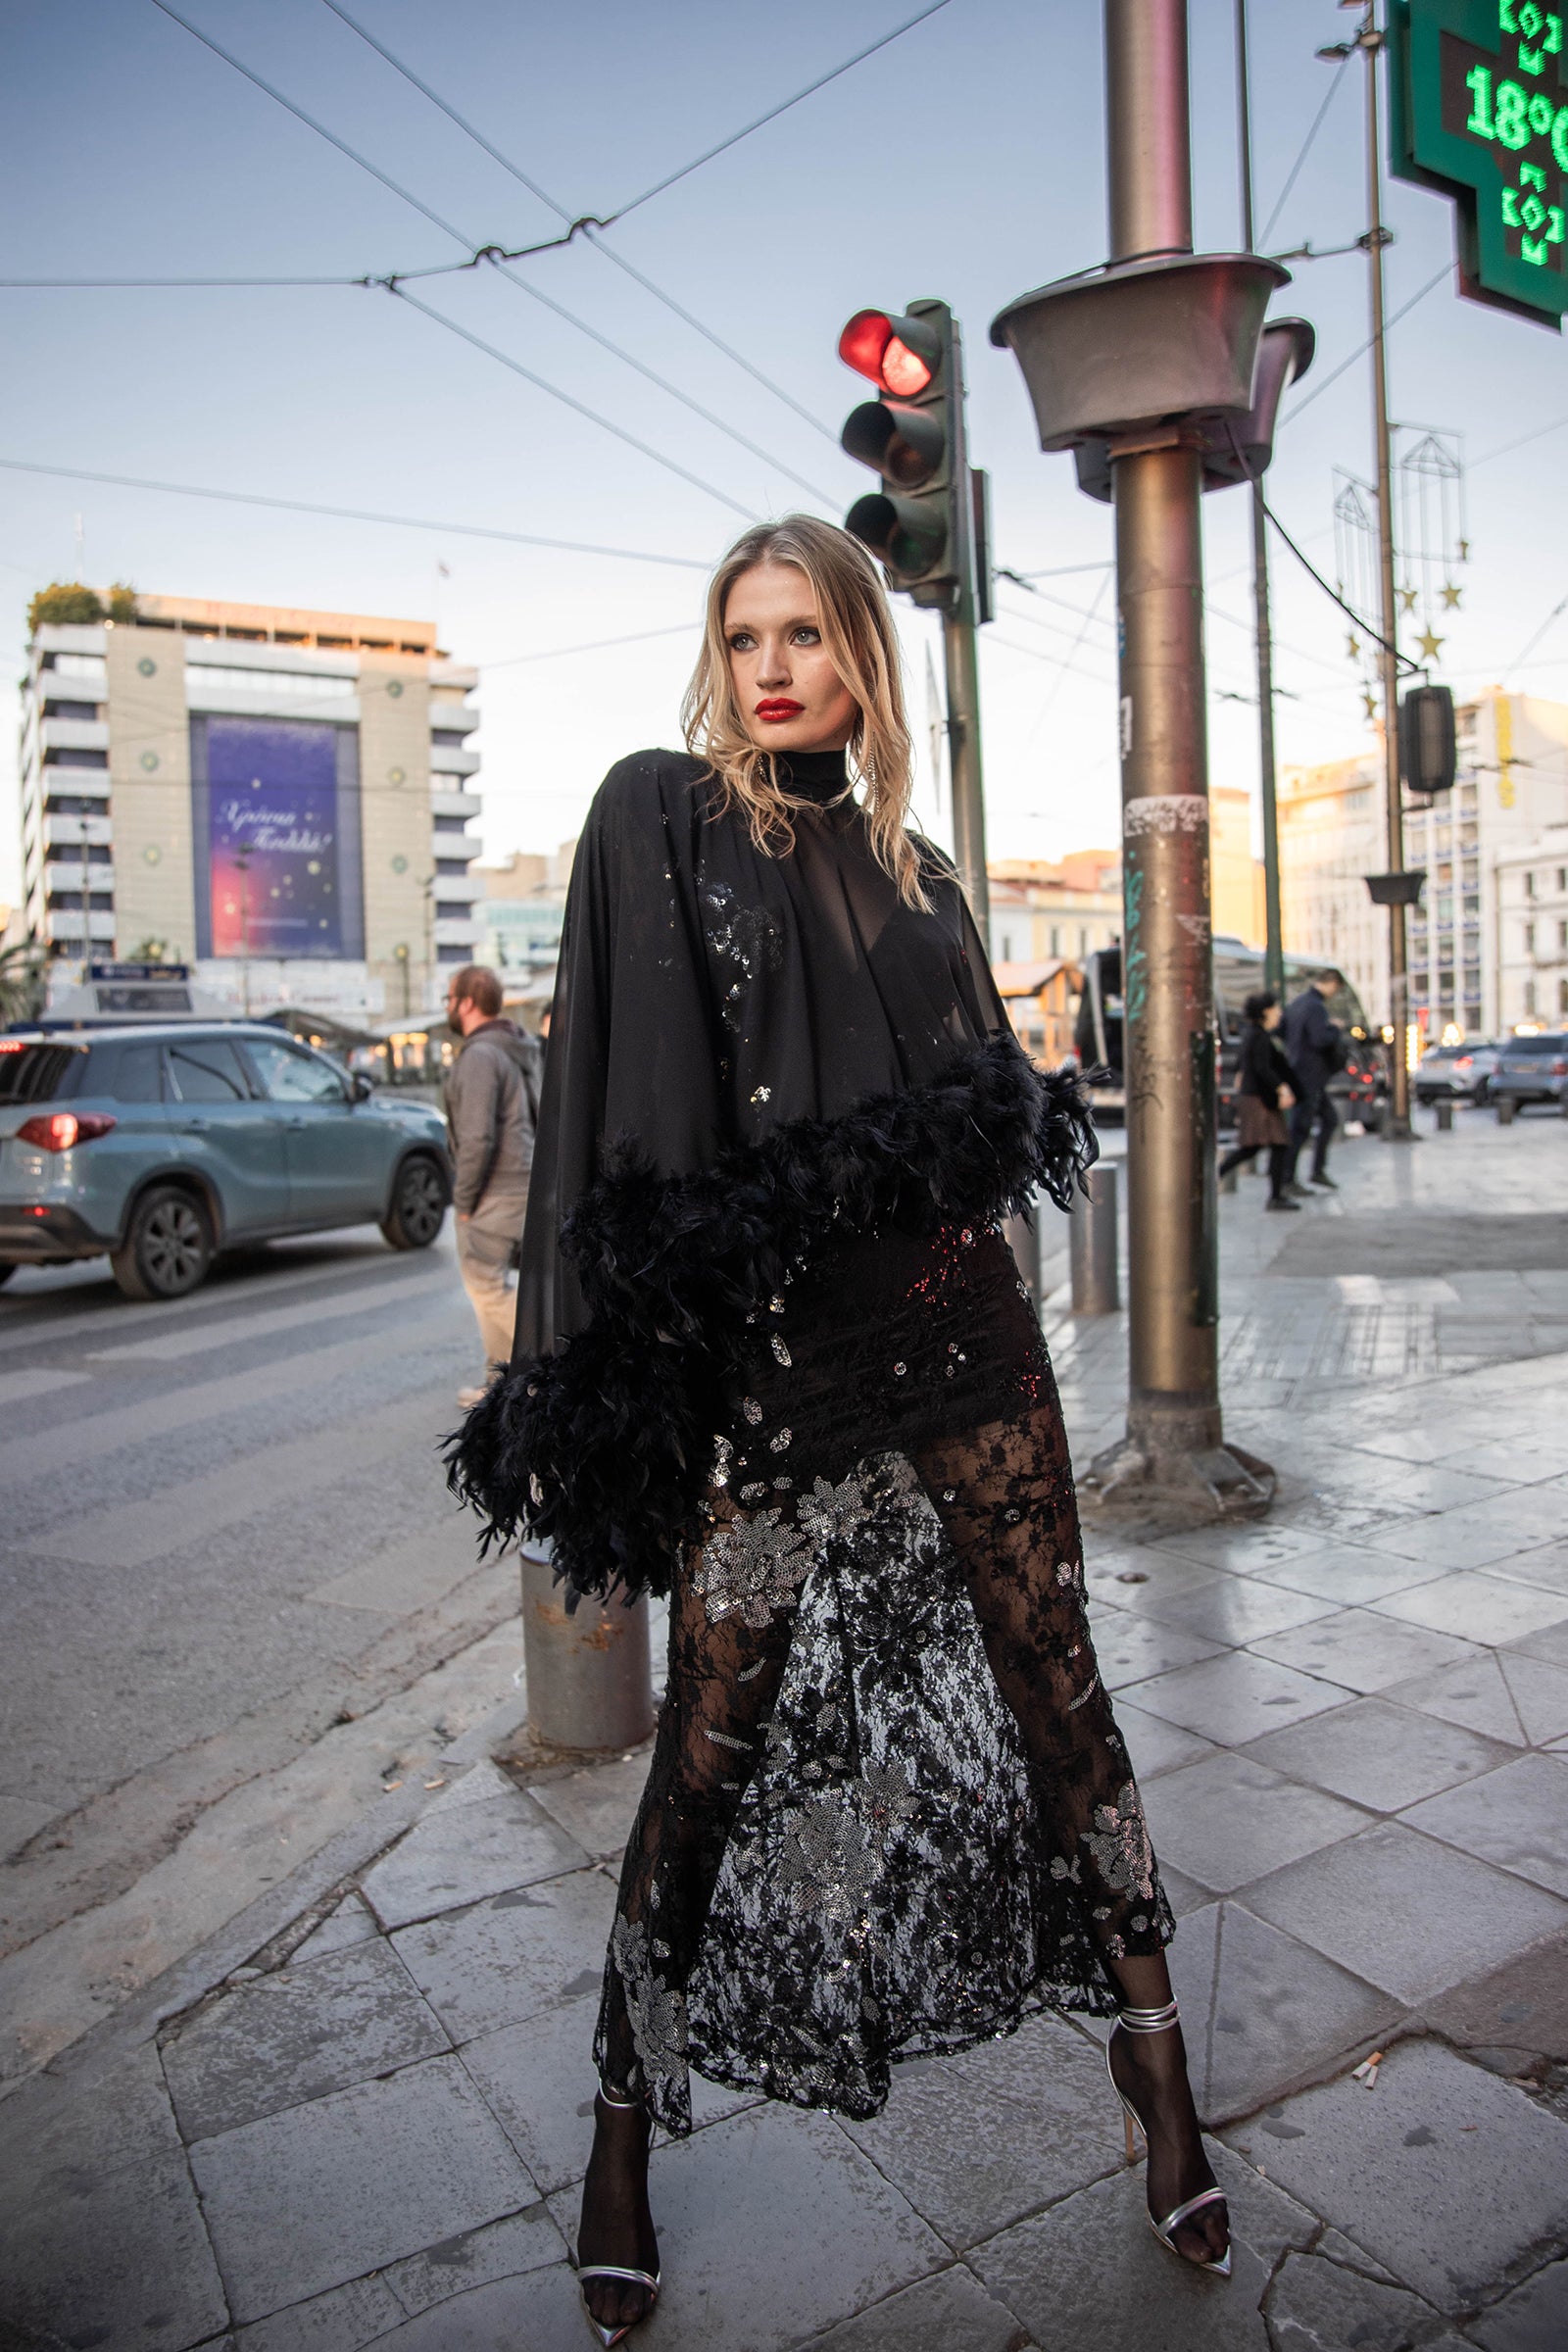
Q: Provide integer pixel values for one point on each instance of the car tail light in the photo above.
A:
(59, 1130)
(1559, 1070)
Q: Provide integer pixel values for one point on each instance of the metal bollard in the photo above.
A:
(1506, 1107)
(1227, 1183)
(589, 1684)
(1445, 1111)
(1095, 1290)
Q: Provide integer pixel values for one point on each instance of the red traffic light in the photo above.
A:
(899, 355)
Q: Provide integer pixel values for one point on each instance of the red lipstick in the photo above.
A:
(780, 708)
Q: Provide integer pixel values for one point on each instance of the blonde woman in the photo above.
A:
(773, 1359)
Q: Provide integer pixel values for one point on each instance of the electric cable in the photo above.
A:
(670, 464)
(596, 645)
(404, 522)
(1307, 147)
(497, 256)
(1392, 320)
(74, 285)
(1507, 448)
(1520, 660)
(587, 224)
(1334, 595)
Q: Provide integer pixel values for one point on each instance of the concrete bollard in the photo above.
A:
(1506, 1107)
(589, 1686)
(1095, 1290)
(1227, 1183)
(1444, 1113)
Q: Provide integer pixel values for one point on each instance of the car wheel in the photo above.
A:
(8, 1267)
(1482, 1095)
(419, 1204)
(168, 1247)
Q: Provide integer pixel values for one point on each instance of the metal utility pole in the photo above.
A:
(1396, 1128)
(963, 758)
(1273, 928)
(1174, 1439)
(242, 861)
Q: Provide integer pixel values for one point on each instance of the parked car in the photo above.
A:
(1533, 1069)
(1456, 1073)
(166, 1143)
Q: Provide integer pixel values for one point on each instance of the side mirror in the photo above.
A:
(360, 1086)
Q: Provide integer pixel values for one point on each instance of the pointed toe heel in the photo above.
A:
(612, 2270)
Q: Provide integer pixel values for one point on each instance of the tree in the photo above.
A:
(65, 604)
(21, 981)
(122, 602)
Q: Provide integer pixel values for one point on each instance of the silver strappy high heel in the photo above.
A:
(613, 2270)
(1161, 2021)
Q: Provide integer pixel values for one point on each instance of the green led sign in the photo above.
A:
(1478, 110)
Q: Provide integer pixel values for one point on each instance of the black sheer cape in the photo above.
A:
(750, 1054)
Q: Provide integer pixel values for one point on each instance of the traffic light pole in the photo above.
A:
(1174, 1446)
(958, 644)
(1273, 927)
(1397, 1126)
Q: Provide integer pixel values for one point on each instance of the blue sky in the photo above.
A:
(966, 159)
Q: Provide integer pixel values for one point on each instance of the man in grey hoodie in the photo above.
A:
(492, 1107)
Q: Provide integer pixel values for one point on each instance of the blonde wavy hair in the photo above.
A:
(859, 636)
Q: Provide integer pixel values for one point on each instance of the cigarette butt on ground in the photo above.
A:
(1366, 2074)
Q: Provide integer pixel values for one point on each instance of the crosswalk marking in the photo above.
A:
(20, 1329)
(177, 1516)
(19, 1387)
(90, 1435)
(236, 1330)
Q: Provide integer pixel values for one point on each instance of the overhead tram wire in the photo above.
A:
(404, 522)
(1306, 149)
(670, 464)
(1392, 320)
(392, 285)
(587, 224)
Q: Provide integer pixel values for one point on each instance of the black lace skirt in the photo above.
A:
(889, 1812)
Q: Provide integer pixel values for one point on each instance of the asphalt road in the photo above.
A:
(228, 1551)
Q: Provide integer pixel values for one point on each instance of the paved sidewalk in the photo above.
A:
(1352, 1726)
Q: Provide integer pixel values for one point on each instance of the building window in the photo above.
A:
(1530, 996)
(1562, 879)
(1562, 939)
(1529, 939)
(1007, 948)
(447, 951)
(1530, 886)
(1055, 939)
(1562, 996)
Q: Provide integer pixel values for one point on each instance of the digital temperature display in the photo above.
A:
(1478, 111)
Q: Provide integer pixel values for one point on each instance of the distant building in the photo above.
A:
(1042, 910)
(520, 917)
(1533, 933)
(1513, 787)
(280, 799)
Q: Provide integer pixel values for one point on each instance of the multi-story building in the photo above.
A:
(1533, 933)
(520, 917)
(280, 799)
(1513, 787)
(1040, 910)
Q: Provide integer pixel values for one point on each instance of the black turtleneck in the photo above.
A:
(812, 775)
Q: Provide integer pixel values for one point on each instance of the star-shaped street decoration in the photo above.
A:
(1370, 703)
(1450, 597)
(1429, 643)
(1352, 646)
(1465, 551)
(1407, 599)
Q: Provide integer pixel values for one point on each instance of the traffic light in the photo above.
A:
(1428, 748)
(922, 524)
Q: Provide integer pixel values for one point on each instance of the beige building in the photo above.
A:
(1042, 910)
(280, 799)
(1512, 788)
(1533, 933)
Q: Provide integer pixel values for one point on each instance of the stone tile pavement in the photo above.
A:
(1351, 1726)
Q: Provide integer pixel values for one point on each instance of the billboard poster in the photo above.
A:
(274, 852)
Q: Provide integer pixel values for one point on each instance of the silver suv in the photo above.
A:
(161, 1145)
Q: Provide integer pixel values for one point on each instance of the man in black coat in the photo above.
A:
(1315, 1046)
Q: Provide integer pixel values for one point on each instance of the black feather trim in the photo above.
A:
(603, 1447)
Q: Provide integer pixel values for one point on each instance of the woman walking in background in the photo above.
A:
(773, 1358)
(1268, 1086)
